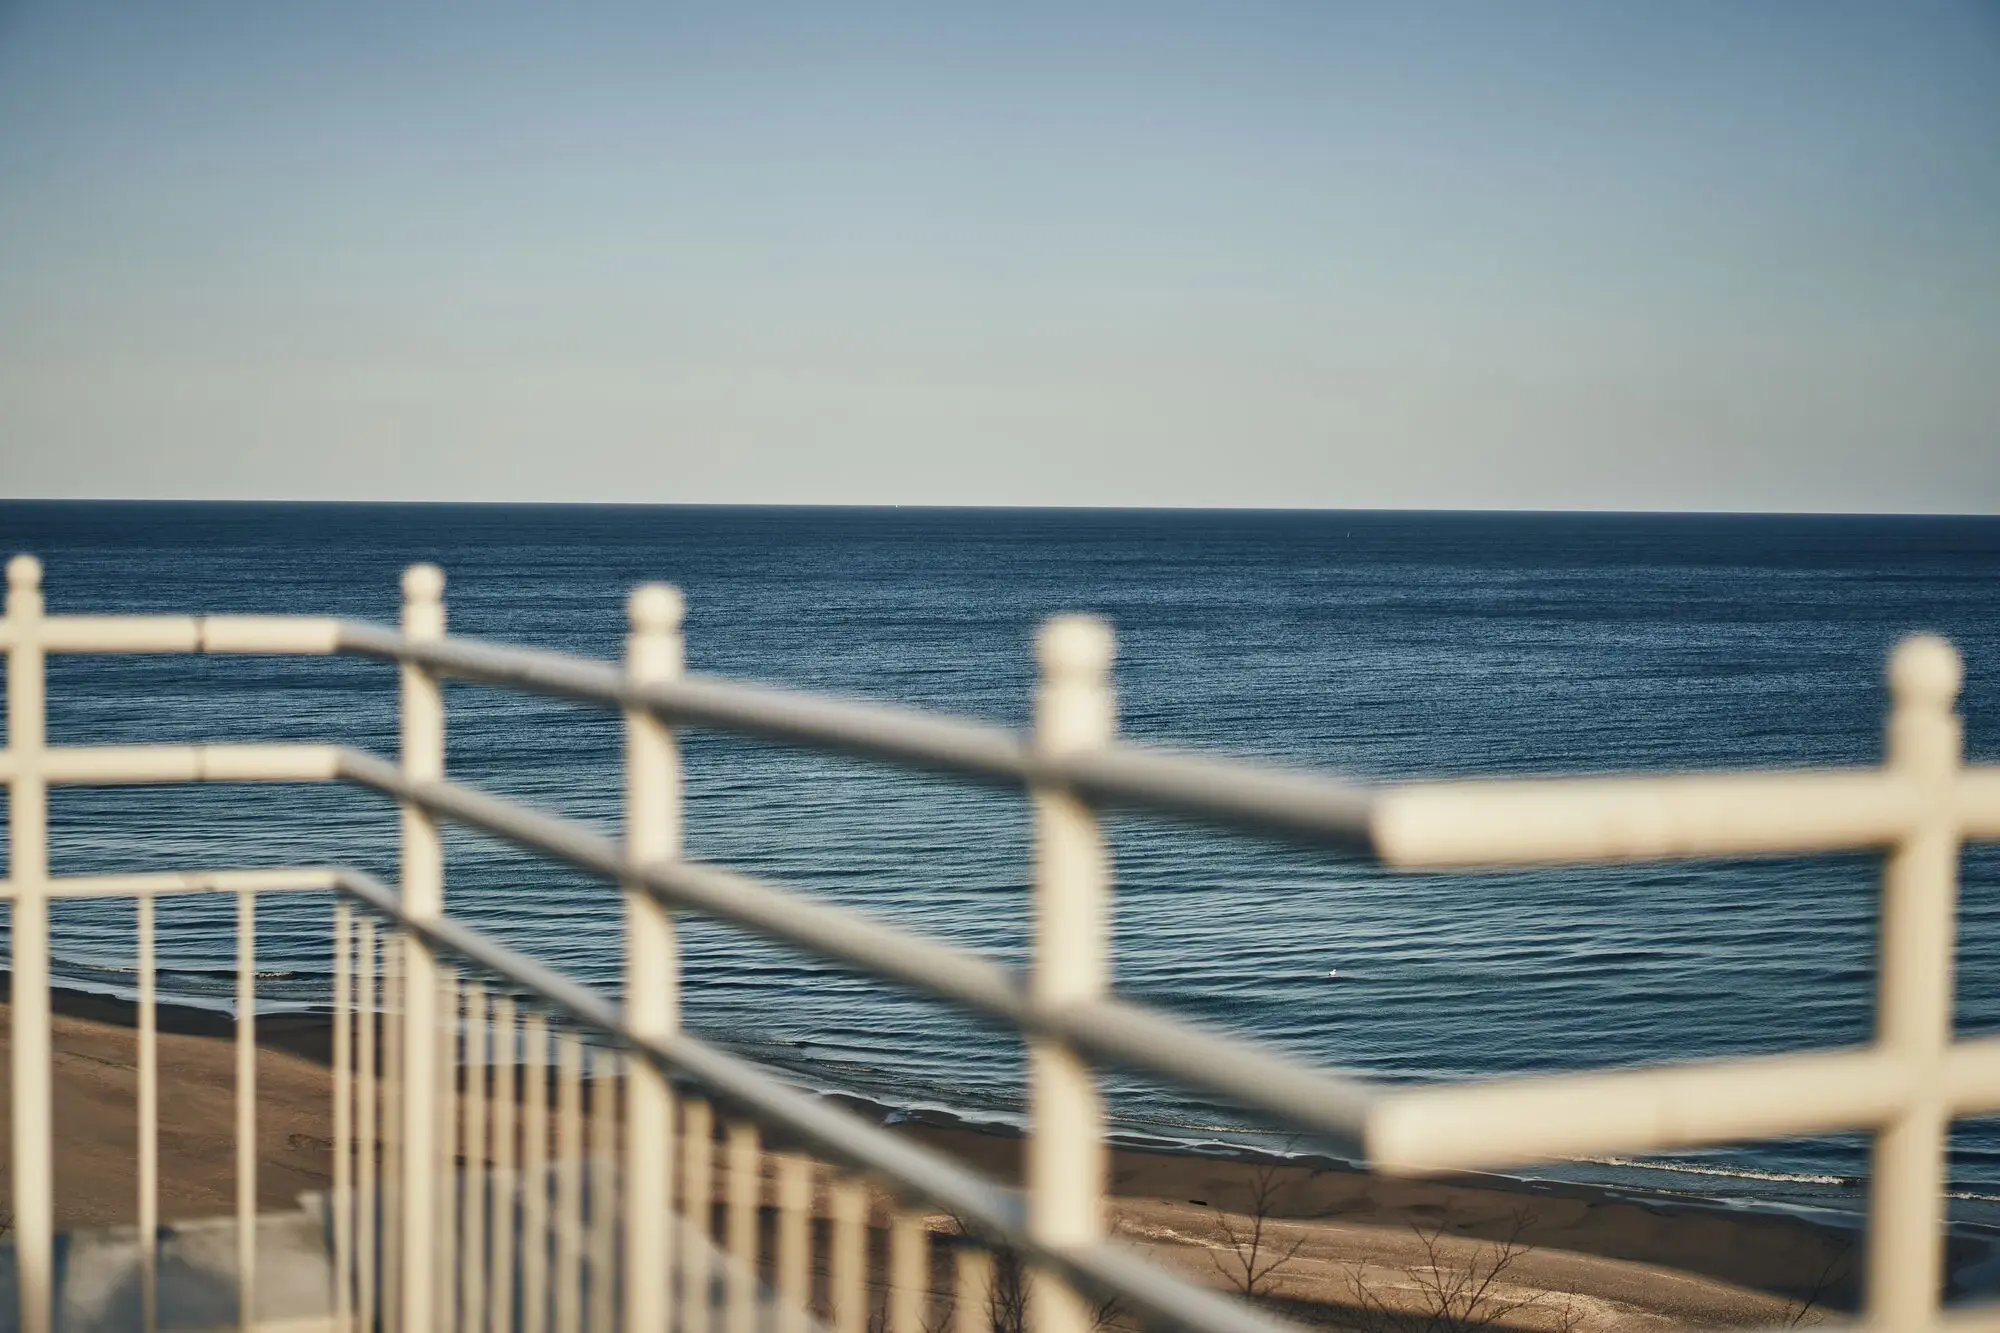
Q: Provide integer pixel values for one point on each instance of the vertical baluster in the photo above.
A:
(653, 652)
(390, 1088)
(848, 1282)
(508, 1222)
(1914, 988)
(28, 934)
(972, 1295)
(474, 1179)
(246, 1109)
(422, 707)
(1065, 1149)
(795, 1186)
(535, 1175)
(909, 1273)
(149, 1124)
(697, 1202)
(368, 1206)
(569, 1183)
(746, 1188)
(343, 1123)
(447, 1132)
(604, 1066)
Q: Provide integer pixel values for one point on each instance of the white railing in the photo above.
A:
(426, 1061)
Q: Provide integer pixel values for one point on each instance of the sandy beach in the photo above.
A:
(1578, 1257)
(95, 1096)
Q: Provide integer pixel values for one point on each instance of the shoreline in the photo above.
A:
(1163, 1189)
(1756, 1250)
(308, 1034)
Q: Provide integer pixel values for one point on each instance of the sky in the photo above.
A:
(1699, 255)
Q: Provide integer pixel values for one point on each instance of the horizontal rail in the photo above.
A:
(1430, 825)
(1229, 792)
(1515, 1121)
(304, 879)
(909, 1170)
(1410, 826)
(1631, 1112)
(310, 635)
(1978, 795)
(1331, 1106)
(1535, 821)
(1972, 1076)
(121, 765)
(880, 731)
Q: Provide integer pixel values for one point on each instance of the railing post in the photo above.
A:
(1913, 1018)
(423, 897)
(246, 1110)
(653, 652)
(28, 867)
(1074, 711)
(343, 1120)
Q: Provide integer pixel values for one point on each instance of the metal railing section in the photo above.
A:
(415, 1248)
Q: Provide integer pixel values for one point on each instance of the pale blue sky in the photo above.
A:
(1690, 255)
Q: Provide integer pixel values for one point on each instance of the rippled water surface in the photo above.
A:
(1381, 645)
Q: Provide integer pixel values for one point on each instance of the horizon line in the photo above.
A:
(879, 506)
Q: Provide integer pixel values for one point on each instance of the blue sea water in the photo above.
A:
(1381, 645)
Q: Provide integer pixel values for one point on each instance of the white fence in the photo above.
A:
(421, 1000)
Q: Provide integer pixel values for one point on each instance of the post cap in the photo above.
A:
(656, 608)
(1074, 646)
(1925, 670)
(423, 583)
(24, 573)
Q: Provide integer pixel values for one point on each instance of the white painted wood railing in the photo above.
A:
(443, 1038)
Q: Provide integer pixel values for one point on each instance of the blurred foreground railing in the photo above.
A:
(514, 1151)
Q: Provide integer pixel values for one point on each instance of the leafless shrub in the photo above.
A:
(1443, 1294)
(1248, 1253)
(1008, 1298)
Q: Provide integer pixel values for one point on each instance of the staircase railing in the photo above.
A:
(471, 1192)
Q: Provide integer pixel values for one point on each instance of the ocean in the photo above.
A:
(1380, 645)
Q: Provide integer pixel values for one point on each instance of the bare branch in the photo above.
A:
(1455, 1295)
(1806, 1311)
(1248, 1256)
